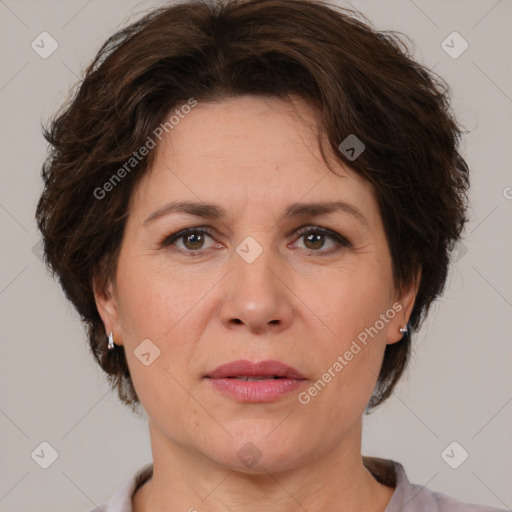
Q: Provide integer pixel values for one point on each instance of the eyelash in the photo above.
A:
(340, 240)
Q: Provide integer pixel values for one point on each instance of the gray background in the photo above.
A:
(458, 386)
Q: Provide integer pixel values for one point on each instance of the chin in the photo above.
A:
(260, 453)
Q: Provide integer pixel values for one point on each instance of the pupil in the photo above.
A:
(189, 237)
(319, 243)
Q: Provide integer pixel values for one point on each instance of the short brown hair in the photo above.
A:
(361, 82)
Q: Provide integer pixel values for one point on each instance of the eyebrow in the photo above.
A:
(216, 212)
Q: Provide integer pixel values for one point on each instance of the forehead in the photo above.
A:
(248, 152)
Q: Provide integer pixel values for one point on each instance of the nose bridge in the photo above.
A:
(253, 261)
(254, 294)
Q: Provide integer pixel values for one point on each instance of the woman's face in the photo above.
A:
(268, 281)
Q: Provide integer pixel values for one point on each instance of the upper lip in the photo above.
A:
(246, 368)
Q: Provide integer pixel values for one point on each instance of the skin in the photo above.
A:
(301, 302)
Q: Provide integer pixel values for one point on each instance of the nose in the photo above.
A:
(256, 295)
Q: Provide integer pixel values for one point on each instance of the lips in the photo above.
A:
(247, 370)
(247, 382)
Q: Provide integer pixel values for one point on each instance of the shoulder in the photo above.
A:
(421, 499)
(121, 501)
(446, 503)
(410, 497)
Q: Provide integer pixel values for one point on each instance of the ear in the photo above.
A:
(403, 305)
(107, 305)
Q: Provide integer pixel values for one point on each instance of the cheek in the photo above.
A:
(349, 302)
(157, 344)
(161, 306)
(355, 336)
(152, 299)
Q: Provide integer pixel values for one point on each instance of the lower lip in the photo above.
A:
(257, 390)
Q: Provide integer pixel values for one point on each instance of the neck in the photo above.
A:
(184, 479)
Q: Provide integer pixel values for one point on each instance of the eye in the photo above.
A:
(193, 239)
(315, 237)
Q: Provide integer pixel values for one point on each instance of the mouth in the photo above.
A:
(244, 381)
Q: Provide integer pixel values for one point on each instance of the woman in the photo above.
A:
(252, 206)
